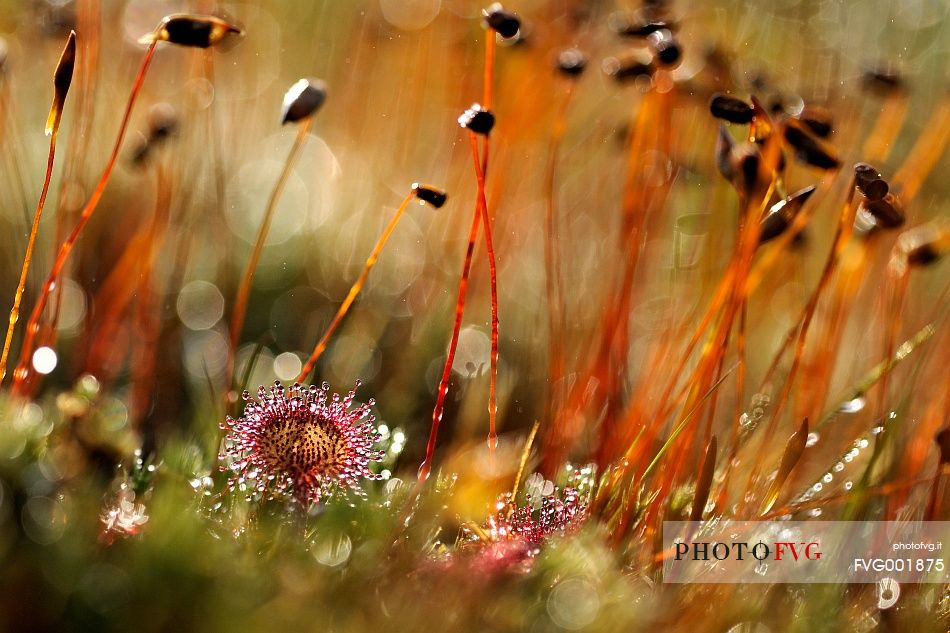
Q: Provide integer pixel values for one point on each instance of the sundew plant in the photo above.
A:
(429, 315)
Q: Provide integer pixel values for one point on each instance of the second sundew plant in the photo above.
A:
(703, 279)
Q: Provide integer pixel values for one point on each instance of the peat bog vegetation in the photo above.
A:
(427, 314)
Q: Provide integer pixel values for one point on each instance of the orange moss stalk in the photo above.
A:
(148, 313)
(180, 29)
(85, 215)
(62, 78)
(437, 412)
(842, 235)
(697, 388)
(129, 278)
(321, 345)
(247, 278)
(300, 105)
(89, 23)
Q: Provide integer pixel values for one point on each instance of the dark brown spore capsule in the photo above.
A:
(926, 244)
(869, 182)
(571, 62)
(503, 22)
(162, 122)
(303, 99)
(882, 80)
(781, 215)
(429, 194)
(189, 32)
(638, 63)
(922, 255)
(62, 78)
(943, 444)
(477, 120)
(522, 38)
(808, 148)
(199, 31)
(888, 211)
(773, 225)
(818, 120)
(746, 158)
(665, 46)
(731, 109)
(738, 163)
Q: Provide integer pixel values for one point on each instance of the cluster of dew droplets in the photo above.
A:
(750, 419)
(837, 470)
(748, 422)
(538, 519)
(257, 470)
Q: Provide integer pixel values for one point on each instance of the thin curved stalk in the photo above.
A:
(27, 258)
(247, 278)
(488, 78)
(439, 409)
(321, 345)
